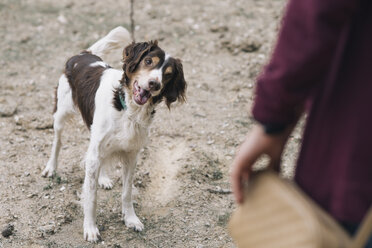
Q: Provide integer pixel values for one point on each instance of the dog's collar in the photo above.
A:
(122, 97)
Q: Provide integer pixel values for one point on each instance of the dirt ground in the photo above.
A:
(184, 168)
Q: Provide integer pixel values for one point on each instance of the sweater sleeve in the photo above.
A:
(304, 53)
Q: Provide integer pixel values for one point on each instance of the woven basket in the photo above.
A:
(277, 214)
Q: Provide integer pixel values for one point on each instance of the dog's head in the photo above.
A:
(150, 75)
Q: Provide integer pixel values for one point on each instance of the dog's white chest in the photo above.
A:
(126, 135)
(132, 136)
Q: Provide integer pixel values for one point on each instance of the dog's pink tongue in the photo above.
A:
(144, 96)
(143, 92)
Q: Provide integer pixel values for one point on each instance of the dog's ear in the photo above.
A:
(134, 53)
(176, 88)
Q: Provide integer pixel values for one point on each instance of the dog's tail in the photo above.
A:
(117, 38)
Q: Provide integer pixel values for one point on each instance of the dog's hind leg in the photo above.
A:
(65, 109)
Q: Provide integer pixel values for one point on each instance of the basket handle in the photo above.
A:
(364, 231)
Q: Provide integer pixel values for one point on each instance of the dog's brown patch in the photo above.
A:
(168, 70)
(155, 61)
(84, 81)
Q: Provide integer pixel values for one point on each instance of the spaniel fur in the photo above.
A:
(117, 131)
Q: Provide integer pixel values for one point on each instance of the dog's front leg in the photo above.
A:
(129, 216)
(92, 164)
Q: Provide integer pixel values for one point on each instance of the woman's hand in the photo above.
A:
(255, 145)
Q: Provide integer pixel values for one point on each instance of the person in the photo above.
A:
(321, 65)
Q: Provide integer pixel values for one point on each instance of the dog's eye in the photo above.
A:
(148, 61)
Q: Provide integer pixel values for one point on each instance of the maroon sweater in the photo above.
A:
(324, 57)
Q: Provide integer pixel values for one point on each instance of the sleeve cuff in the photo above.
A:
(273, 129)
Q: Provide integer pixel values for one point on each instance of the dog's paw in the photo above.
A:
(134, 222)
(91, 234)
(48, 172)
(105, 183)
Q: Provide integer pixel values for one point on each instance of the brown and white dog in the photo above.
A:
(118, 107)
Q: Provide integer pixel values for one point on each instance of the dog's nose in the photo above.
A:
(154, 85)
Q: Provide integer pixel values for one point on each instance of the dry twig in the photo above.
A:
(219, 190)
(132, 19)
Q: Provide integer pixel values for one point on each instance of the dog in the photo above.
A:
(118, 107)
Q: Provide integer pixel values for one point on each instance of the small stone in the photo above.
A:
(48, 229)
(7, 109)
(43, 124)
(25, 39)
(249, 46)
(101, 228)
(60, 217)
(16, 119)
(219, 29)
(31, 195)
(8, 231)
(62, 19)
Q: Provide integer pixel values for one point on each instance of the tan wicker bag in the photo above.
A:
(278, 214)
